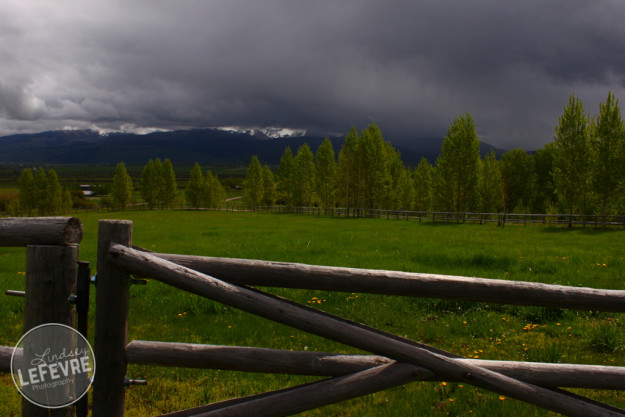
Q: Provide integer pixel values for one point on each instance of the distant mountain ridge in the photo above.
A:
(205, 146)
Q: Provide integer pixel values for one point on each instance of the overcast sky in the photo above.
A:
(409, 66)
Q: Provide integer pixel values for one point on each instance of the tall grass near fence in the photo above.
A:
(572, 257)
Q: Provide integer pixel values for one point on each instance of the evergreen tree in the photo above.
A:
(54, 194)
(41, 192)
(122, 186)
(405, 191)
(213, 190)
(169, 188)
(516, 174)
(325, 173)
(195, 187)
(608, 141)
(269, 187)
(490, 185)
(442, 191)
(571, 161)
(253, 186)
(458, 164)
(543, 193)
(376, 181)
(159, 184)
(206, 193)
(67, 201)
(26, 187)
(349, 171)
(304, 176)
(423, 186)
(285, 176)
(392, 188)
(150, 184)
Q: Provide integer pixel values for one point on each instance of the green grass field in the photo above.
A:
(579, 257)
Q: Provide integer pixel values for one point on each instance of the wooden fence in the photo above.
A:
(394, 360)
(502, 219)
(51, 294)
(398, 360)
(591, 220)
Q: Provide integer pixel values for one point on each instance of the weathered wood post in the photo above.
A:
(111, 326)
(50, 280)
(83, 282)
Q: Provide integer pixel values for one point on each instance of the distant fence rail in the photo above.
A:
(502, 219)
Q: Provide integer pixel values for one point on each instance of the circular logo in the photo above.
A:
(52, 365)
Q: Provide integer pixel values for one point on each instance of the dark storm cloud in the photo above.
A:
(323, 65)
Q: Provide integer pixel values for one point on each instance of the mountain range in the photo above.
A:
(206, 146)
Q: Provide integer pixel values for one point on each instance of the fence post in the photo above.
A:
(83, 282)
(111, 326)
(50, 280)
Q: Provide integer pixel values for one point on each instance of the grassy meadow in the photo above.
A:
(578, 257)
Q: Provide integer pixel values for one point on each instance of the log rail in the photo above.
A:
(410, 360)
(329, 278)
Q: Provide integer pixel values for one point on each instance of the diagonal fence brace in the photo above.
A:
(336, 329)
(289, 401)
(292, 400)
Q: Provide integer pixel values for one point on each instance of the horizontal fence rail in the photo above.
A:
(502, 219)
(295, 275)
(595, 220)
(5, 357)
(24, 231)
(263, 360)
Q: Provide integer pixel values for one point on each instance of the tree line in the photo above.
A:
(581, 172)
(159, 189)
(40, 194)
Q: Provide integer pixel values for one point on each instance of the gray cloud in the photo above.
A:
(409, 66)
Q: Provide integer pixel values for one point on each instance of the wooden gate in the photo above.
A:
(400, 360)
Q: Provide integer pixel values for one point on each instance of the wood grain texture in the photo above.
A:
(50, 280)
(111, 325)
(24, 231)
(328, 278)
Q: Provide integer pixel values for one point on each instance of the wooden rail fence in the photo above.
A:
(594, 220)
(502, 219)
(394, 360)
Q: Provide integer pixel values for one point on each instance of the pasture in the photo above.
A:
(578, 257)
